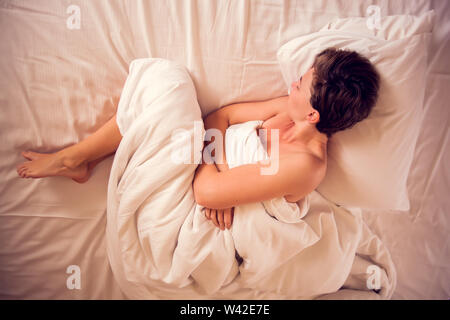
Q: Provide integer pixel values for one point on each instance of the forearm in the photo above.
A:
(217, 121)
(221, 217)
(207, 171)
(203, 175)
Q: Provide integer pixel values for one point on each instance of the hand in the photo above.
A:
(220, 217)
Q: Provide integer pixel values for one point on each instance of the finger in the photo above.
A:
(220, 218)
(214, 217)
(207, 213)
(227, 218)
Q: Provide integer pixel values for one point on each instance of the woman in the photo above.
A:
(339, 90)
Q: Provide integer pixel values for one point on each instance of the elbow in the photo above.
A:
(217, 116)
(204, 195)
(199, 198)
(200, 195)
(203, 200)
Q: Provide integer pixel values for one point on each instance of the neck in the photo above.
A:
(304, 133)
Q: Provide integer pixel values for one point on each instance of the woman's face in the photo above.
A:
(298, 104)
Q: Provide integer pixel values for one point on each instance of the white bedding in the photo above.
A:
(59, 85)
(159, 239)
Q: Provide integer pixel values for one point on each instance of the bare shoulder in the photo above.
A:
(307, 171)
(305, 162)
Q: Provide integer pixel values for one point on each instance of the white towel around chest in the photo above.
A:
(243, 145)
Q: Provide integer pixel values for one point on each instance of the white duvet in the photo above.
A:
(160, 242)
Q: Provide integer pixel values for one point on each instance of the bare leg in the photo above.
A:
(76, 161)
(101, 143)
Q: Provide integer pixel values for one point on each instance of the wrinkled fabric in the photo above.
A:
(159, 238)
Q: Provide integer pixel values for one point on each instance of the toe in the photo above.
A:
(25, 172)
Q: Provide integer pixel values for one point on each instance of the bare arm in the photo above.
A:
(245, 184)
(221, 119)
(226, 116)
(220, 122)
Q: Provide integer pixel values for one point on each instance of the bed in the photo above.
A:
(64, 65)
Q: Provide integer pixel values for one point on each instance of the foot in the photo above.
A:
(54, 164)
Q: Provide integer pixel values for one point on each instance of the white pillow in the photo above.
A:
(368, 164)
(391, 27)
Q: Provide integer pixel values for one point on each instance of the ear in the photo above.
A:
(313, 116)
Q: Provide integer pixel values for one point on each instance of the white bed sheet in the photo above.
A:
(59, 85)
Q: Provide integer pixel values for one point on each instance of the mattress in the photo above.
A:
(63, 69)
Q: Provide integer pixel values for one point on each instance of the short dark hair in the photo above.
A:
(344, 89)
